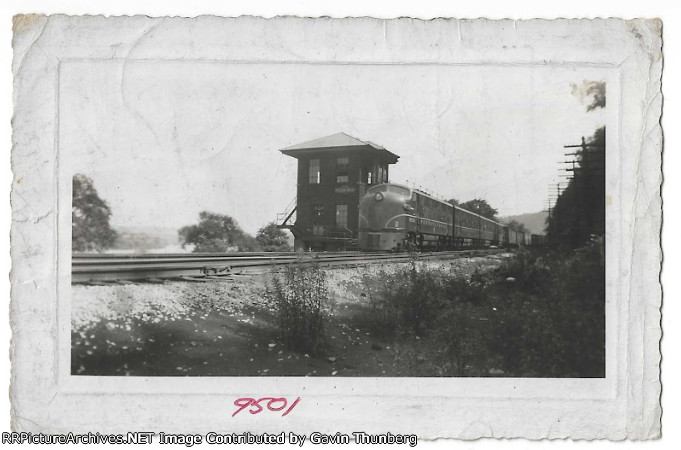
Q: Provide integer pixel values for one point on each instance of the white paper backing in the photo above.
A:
(623, 405)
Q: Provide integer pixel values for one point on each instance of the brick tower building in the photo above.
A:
(334, 172)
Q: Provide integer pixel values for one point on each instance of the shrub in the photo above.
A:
(549, 322)
(562, 332)
(301, 297)
(459, 289)
(383, 317)
(460, 334)
(527, 270)
(421, 300)
(405, 302)
(458, 339)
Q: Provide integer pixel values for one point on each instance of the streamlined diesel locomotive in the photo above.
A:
(394, 217)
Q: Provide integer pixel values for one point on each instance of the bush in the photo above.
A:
(405, 302)
(217, 233)
(548, 322)
(271, 238)
(458, 339)
(460, 289)
(560, 333)
(460, 333)
(301, 297)
(383, 317)
(437, 316)
(528, 271)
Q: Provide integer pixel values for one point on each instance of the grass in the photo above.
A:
(535, 315)
(301, 297)
(538, 315)
(217, 343)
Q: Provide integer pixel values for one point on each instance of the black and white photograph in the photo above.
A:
(325, 220)
(441, 228)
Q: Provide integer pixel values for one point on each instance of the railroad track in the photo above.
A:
(120, 269)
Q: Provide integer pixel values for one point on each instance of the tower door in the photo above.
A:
(317, 220)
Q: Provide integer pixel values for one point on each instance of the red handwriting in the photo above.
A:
(273, 404)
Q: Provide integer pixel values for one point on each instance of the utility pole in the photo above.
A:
(586, 165)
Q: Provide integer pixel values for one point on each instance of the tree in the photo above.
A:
(595, 90)
(481, 207)
(247, 243)
(90, 228)
(272, 239)
(453, 201)
(216, 233)
(579, 212)
(514, 225)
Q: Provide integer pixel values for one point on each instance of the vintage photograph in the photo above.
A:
(335, 220)
(437, 228)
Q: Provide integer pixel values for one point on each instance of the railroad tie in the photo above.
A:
(219, 277)
(201, 279)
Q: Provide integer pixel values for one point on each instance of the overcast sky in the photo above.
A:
(165, 140)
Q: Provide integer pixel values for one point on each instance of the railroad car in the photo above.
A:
(519, 239)
(394, 217)
(537, 240)
(387, 218)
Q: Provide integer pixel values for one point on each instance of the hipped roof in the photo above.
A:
(334, 142)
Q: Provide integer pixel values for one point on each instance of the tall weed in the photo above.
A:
(560, 332)
(301, 296)
(403, 302)
(546, 320)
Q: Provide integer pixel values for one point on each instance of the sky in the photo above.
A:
(163, 141)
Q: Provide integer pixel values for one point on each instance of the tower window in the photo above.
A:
(314, 174)
(342, 170)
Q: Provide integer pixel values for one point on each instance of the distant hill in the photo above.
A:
(535, 222)
(147, 239)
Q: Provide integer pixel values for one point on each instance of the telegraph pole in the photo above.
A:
(584, 165)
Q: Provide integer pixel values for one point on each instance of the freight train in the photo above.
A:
(394, 217)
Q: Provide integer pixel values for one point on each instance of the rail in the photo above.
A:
(116, 268)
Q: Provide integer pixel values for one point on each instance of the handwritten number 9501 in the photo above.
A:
(273, 404)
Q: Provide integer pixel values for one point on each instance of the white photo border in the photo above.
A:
(625, 404)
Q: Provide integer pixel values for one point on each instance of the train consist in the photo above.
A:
(394, 217)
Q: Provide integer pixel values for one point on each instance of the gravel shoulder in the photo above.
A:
(228, 328)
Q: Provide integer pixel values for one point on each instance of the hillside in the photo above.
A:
(535, 222)
(147, 239)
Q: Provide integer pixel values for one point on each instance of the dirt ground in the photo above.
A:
(227, 328)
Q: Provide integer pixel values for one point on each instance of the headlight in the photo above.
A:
(378, 196)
